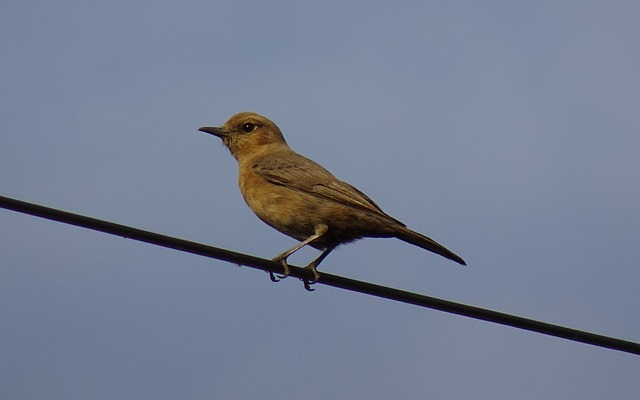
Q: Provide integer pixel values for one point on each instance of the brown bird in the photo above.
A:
(301, 199)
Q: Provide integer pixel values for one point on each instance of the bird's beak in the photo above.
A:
(214, 130)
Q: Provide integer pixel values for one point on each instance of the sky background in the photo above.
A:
(508, 131)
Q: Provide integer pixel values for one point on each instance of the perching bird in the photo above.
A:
(301, 199)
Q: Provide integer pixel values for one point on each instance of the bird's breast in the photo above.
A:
(280, 207)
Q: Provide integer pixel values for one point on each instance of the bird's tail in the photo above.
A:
(426, 243)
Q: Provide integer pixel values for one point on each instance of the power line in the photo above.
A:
(327, 279)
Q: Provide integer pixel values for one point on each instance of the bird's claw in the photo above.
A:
(307, 284)
(276, 277)
(316, 278)
(273, 278)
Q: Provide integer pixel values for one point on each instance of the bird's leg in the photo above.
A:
(320, 230)
(312, 267)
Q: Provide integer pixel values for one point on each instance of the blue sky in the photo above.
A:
(507, 131)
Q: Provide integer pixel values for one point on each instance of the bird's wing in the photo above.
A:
(300, 173)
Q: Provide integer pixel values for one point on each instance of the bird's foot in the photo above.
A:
(316, 277)
(285, 266)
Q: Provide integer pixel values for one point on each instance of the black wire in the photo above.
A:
(326, 279)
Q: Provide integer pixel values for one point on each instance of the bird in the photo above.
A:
(301, 199)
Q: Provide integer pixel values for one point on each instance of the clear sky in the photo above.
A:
(508, 131)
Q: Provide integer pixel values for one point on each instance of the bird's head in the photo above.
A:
(246, 133)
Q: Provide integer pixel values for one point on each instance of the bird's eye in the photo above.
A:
(249, 127)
